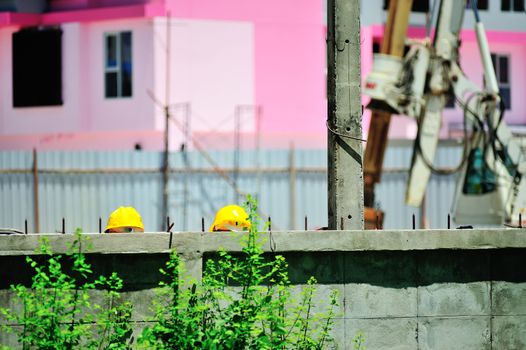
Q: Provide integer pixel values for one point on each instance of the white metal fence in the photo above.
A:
(81, 187)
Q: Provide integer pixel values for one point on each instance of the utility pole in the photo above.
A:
(237, 148)
(166, 155)
(345, 175)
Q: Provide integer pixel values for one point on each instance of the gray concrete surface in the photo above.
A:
(444, 289)
(288, 241)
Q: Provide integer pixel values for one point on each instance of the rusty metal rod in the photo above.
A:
(36, 213)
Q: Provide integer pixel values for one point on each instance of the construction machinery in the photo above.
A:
(418, 84)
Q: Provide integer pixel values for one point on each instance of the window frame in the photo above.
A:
(117, 35)
(495, 58)
(480, 7)
(511, 6)
(414, 6)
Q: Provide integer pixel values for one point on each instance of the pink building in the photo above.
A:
(229, 60)
(94, 74)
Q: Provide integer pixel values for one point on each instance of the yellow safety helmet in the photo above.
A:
(231, 218)
(124, 217)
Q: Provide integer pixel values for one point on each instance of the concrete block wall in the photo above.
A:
(450, 289)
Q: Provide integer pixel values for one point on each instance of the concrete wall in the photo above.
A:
(435, 289)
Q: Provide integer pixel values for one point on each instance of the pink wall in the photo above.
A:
(289, 43)
(212, 69)
(267, 54)
(85, 108)
(45, 119)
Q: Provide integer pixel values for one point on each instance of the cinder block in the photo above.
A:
(366, 301)
(143, 303)
(509, 298)
(10, 339)
(321, 298)
(382, 268)
(383, 334)
(9, 300)
(454, 299)
(326, 267)
(465, 333)
(460, 266)
(338, 333)
(509, 332)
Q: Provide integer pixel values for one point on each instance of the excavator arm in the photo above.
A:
(489, 190)
(392, 45)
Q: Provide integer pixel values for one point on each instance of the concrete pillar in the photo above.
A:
(345, 175)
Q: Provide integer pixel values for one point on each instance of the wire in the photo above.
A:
(475, 10)
(342, 135)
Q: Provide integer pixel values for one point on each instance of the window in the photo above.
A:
(512, 5)
(450, 100)
(481, 4)
(418, 5)
(376, 47)
(37, 67)
(118, 64)
(501, 64)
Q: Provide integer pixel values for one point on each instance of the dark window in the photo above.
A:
(482, 4)
(501, 64)
(418, 5)
(376, 47)
(450, 100)
(512, 5)
(37, 67)
(118, 64)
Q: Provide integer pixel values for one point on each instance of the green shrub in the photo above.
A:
(242, 302)
(57, 309)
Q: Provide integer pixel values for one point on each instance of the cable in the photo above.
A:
(475, 10)
(342, 135)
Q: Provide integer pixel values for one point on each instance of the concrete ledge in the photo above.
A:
(197, 243)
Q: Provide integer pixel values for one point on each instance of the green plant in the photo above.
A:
(242, 302)
(359, 341)
(57, 312)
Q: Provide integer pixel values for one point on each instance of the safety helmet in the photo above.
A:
(230, 218)
(124, 217)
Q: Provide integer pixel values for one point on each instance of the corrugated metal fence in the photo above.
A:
(82, 187)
